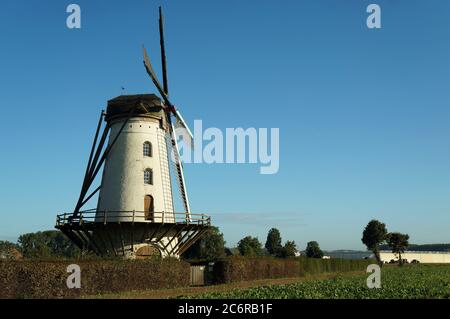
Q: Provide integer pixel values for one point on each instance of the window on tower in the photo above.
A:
(148, 176)
(147, 149)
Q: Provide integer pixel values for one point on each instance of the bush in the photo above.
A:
(238, 268)
(47, 279)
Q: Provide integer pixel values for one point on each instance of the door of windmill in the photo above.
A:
(149, 207)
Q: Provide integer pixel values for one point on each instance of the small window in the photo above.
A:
(148, 177)
(147, 149)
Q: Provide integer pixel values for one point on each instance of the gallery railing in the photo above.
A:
(94, 216)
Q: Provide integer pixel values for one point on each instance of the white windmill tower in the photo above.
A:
(135, 212)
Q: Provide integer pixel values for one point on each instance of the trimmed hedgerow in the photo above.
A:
(47, 279)
(239, 268)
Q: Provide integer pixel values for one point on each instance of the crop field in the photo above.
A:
(407, 282)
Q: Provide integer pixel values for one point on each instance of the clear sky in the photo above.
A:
(363, 114)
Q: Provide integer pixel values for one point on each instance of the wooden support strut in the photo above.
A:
(102, 115)
(157, 229)
(96, 164)
(192, 240)
(92, 243)
(111, 242)
(121, 239)
(109, 148)
(86, 184)
(180, 241)
(105, 247)
(88, 167)
(173, 238)
(90, 196)
(165, 233)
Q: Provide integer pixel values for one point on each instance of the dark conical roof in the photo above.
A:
(147, 105)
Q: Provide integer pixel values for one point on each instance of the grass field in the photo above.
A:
(408, 282)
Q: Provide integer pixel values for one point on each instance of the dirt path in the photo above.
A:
(190, 291)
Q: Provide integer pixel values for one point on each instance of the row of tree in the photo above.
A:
(376, 234)
(212, 247)
(251, 246)
(54, 244)
(46, 244)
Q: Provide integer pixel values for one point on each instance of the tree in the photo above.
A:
(273, 242)
(51, 243)
(289, 250)
(373, 235)
(398, 243)
(313, 250)
(250, 246)
(211, 246)
(33, 245)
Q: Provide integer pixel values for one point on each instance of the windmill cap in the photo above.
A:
(148, 105)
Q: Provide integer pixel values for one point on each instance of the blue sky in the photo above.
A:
(363, 114)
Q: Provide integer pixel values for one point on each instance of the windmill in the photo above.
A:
(135, 215)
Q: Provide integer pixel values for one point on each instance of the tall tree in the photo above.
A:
(273, 242)
(398, 243)
(313, 250)
(373, 235)
(250, 246)
(289, 250)
(211, 246)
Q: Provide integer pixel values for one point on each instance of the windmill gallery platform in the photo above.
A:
(103, 233)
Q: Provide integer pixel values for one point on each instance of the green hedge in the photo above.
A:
(47, 279)
(239, 268)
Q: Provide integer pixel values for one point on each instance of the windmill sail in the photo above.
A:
(151, 72)
(170, 109)
(178, 165)
(163, 51)
(180, 124)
